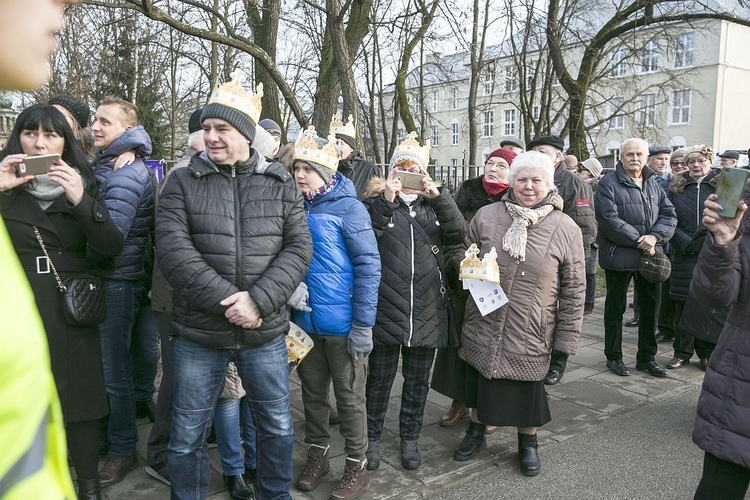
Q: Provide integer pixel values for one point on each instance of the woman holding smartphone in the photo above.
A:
(65, 207)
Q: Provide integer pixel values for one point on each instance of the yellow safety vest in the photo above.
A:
(34, 458)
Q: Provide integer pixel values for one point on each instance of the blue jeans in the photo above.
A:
(121, 298)
(198, 380)
(145, 353)
(227, 424)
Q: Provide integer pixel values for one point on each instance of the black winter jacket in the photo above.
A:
(472, 196)
(578, 203)
(687, 195)
(411, 298)
(626, 212)
(360, 172)
(223, 229)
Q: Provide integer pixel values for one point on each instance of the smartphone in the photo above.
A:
(411, 180)
(36, 165)
(729, 192)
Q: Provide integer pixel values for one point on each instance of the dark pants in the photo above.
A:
(156, 451)
(667, 321)
(614, 307)
(722, 479)
(685, 344)
(558, 361)
(417, 362)
(144, 349)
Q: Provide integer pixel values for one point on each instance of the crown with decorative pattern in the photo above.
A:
(311, 148)
(338, 127)
(410, 149)
(485, 269)
(234, 95)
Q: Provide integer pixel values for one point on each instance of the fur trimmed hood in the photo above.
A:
(678, 182)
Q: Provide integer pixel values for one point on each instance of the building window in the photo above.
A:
(509, 122)
(618, 61)
(683, 54)
(487, 79)
(488, 123)
(650, 57)
(434, 101)
(617, 118)
(454, 162)
(645, 110)
(615, 152)
(454, 98)
(435, 136)
(680, 108)
(511, 78)
(535, 112)
(454, 133)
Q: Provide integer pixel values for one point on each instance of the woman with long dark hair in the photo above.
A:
(64, 209)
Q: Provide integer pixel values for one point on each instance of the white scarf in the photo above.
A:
(514, 241)
(408, 198)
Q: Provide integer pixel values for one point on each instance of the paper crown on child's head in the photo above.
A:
(311, 148)
(338, 127)
(485, 269)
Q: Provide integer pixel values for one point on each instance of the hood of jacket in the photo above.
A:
(344, 188)
(679, 182)
(135, 139)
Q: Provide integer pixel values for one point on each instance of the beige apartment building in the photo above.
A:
(678, 85)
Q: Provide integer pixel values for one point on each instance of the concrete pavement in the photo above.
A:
(610, 437)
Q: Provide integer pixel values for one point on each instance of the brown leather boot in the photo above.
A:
(316, 467)
(115, 470)
(354, 481)
(457, 412)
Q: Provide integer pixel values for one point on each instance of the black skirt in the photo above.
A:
(449, 375)
(503, 402)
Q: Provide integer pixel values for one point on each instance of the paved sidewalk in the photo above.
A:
(589, 400)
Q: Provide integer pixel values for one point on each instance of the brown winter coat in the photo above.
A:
(546, 294)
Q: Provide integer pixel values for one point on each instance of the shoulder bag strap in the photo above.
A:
(60, 285)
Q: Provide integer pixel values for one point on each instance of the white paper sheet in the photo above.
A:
(488, 296)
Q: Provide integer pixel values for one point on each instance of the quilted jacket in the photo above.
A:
(129, 195)
(222, 229)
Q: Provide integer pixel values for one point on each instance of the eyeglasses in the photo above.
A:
(677, 163)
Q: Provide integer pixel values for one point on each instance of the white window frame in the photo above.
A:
(684, 50)
(434, 101)
(455, 133)
(435, 136)
(454, 98)
(650, 56)
(488, 123)
(645, 115)
(678, 104)
(511, 78)
(454, 162)
(536, 112)
(617, 121)
(509, 122)
(619, 64)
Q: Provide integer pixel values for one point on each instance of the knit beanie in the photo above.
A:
(79, 109)
(505, 154)
(326, 173)
(236, 118)
(271, 127)
(699, 149)
(347, 139)
(194, 125)
(593, 166)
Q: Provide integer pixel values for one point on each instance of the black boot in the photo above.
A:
(528, 457)
(88, 489)
(473, 442)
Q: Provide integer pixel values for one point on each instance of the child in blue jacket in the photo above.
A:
(342, 283)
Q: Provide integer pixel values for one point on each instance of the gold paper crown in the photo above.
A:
(485, 269)
(338, 127)
(234, 95)
(410, 147)
(307, 149)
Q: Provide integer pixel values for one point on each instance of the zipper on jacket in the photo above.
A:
(238, 243)
(698, 211)
(411, 289)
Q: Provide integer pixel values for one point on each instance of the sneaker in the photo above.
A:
(316, 467)
(354, 481)
(115, 470)
(160, 472)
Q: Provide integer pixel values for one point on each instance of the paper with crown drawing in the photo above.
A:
(482, 279)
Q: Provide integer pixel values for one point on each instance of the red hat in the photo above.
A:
(505, 154)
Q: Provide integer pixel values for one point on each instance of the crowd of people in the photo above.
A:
(248, 233)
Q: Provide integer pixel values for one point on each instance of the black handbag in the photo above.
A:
(82, 295)
(454, 300)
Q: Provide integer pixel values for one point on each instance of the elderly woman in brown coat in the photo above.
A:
(542, 271)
